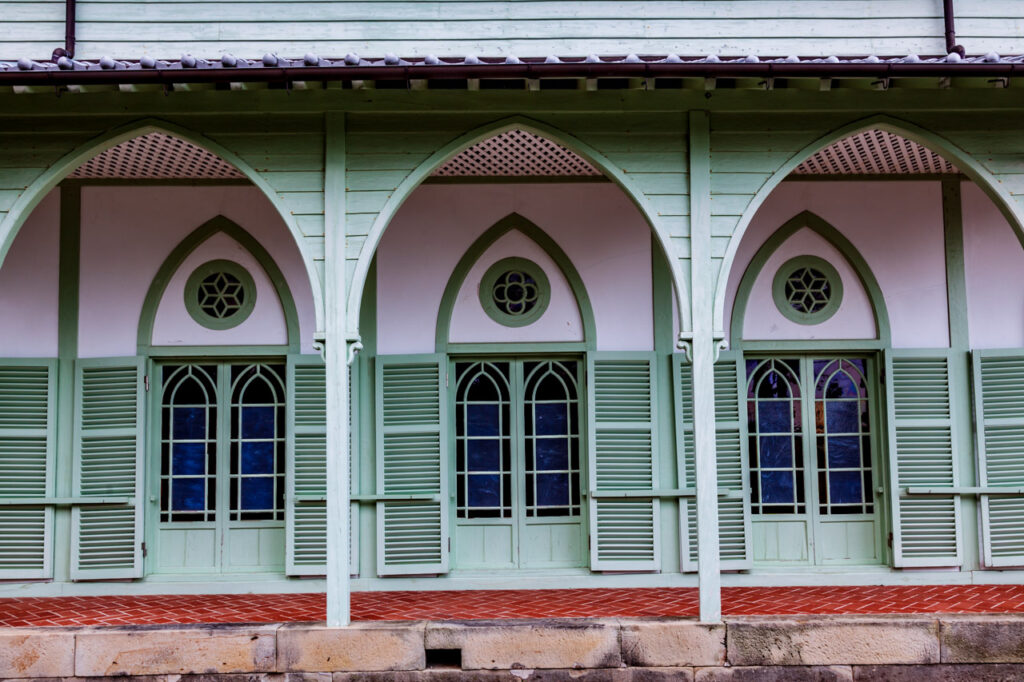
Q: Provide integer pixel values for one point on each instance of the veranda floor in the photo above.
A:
(484, 604)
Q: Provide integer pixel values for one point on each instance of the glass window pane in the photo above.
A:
(845, 487)
(775, 416)
(776, 451)
(484, 490)
(551, 419)
(258, 458)
(552, 453)
(258, 421)
(483, 455)
(844, 452)
(257, 493)
(842, 416)
(482, 420)
(552, 490)
(188, 459)
(189, 422)
(777, 487)
(187, 494)
(840, 386)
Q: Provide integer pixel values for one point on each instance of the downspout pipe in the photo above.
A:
(69, 32)
(947, 11)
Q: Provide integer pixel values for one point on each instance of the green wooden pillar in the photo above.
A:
(703, 351)
(336, 359)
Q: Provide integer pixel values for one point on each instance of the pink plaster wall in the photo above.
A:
(994, 264)
(127, 232)
(604, 235)
(896, 227)
(29, 285)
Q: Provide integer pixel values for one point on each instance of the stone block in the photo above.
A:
(788, 673)
(986, 672)
(495, 645)
(36, 653)
(177, 650)
(358, 647)
(672, 643)
(824, 641)
(981, 639)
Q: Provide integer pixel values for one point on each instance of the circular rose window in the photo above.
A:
(514, 292)
(220, 294)
(807, 290)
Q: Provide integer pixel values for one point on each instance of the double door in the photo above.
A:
(518, 457)
(813, 430)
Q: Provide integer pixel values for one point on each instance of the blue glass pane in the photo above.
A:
(258, 458)
(843, 452)
(775, 451)
(258, 421)
(844, 487)
(484, 490)
(483, 455)
(257, 493)
(551, 419)
(189, 423)
(188, 459)
(841, 386)
(774, 417)
(842, 416)
(776, 487)
(187, 494)
(482, 420)
(552, 453)
(552, 490)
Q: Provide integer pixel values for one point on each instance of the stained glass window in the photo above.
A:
(552, 441)
(257, 442)
(774, 426)
(843, 437)
(188, 443)
(483, 448)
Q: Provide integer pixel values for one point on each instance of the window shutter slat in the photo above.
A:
(412, 456)
(922, 453)
(623, 443)
(106, 541)
(306, 511)
(999, 410)
(731, 454)
(27, 394)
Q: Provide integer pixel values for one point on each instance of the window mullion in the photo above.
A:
(224, 417)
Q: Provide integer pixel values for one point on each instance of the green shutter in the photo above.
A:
(999, 410)
(306, 510)
(923, 453)
(622, 446)
(27, 396)
(106, 539)
(731, 449)
(412, 462)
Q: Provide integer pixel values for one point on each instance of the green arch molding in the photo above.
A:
(513, 221)
(961, 159)
(834, 237)
(38, 189)
(470, 138)
(189, 244)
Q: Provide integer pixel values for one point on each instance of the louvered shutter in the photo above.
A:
(622, 443)
(306, 511)
(27, 394)
(999, 410)
(106, 540)
(731, 451)
(412, 462)
(922, 453)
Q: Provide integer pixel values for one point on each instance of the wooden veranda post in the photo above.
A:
(336, 358)
(703, 350)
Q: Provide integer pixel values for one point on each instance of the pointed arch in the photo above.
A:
(34, 193)
(964, 161)
(466, 140)
(218, 224)
(817, 224)
(511, 222)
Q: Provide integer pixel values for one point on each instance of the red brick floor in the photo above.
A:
(476, 604)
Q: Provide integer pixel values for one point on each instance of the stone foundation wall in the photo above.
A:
(617, 650)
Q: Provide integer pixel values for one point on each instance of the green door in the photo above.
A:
(813, 460)
(518, 455)
(219, 477)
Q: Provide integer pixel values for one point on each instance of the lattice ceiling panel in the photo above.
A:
(156, 156)
(516, 153)
(874, 152)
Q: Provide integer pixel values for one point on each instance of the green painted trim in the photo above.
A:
(968, 165)
(511, 222)
(159, 182)
(514, 179)
(868, 177)
(218, 351)
(663, 406)
(366, 455)
(53, 175)
(195, 281)
(956, 279)
(173, 262)
(837, 345)
(489, 282)
(611, 169)
(842, 244)
(541, 348)
(782, 302)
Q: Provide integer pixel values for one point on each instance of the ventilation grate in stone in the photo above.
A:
(875, 152)
(516, 153)
(157, 156)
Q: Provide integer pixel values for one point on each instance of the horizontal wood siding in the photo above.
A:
(166, 28)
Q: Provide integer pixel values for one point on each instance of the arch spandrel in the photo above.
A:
(645, 155)
(288, 192)
(735, 203)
